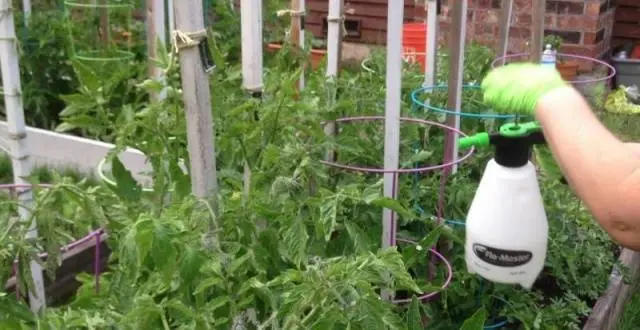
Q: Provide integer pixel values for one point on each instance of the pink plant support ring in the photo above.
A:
(93, 235)
(611, 71)
(446, 283)
(395, 239)
(404, 170)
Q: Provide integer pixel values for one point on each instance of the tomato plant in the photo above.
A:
(295, 245)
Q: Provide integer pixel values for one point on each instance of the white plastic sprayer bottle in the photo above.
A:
(548, 57)
(506, 227)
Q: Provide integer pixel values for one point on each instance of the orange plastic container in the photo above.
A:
(414, 43)
(635, 54)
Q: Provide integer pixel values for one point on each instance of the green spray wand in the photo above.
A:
(516, 140)
(513, 143)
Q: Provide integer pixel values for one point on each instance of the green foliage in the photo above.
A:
(292, 244)
(553, 40)
(44, 66)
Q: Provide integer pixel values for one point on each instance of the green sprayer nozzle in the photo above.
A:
(520, 129)
(477, 140)
(529, 131)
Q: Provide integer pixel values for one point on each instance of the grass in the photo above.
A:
(631, 317)
(42, 174)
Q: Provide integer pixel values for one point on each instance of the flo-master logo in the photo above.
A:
(501, 258)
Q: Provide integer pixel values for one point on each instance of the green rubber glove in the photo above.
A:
(516, 88)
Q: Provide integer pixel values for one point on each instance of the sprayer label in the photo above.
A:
(501, 258)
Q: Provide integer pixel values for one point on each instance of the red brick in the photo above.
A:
(482, 3)
(522, 5)
(521, 19)
(486, 39)
(589, 38)
(517, 45)
(551, 21)
(577, 23)
(593, 9)
(487, 16)
(518, 32)
(565, 7)
(444, 26)
(579, 50)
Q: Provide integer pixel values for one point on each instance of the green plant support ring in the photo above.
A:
(75, 4)
(103, 177)
(100, 55)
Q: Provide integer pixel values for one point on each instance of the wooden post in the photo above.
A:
(17, 136)
(430, 73)
(454, 101)
(456, 67)
(155, 34)
(26, 9)
(297, 31)
(334, 53)
(104, 23)
(393, 102)
(295, 23)
(535, 50)
(505, 25)
(197, 99)
(252, 66)
(170, 16)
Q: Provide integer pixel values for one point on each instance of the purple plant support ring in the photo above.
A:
(399, 171)
(612, 70)
(446, 283)
(437, 254)
(93, 235)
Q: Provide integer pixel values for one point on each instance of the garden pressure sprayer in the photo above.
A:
(506, 227)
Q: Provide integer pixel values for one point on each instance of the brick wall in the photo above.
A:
(365, 20)
(585, 25)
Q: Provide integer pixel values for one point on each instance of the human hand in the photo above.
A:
(516, 88)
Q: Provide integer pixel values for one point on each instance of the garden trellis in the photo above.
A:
(18, 142)
(393, 81)
(427, 102)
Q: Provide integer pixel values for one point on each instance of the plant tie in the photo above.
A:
(183, 40)
(290, 12)
(341, 20)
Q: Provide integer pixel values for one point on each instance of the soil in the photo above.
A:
(548, 286)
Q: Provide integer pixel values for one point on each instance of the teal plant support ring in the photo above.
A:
(486, 115)
(493, 323)
(101, 42)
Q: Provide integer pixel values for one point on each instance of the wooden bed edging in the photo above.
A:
(610, 306)
(64, 151)
(76, 260)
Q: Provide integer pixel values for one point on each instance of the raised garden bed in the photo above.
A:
(610, 306)
(89, 255)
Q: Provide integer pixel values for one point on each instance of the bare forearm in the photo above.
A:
(600, 168)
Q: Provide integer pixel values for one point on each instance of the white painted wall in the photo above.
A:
(63, 151)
